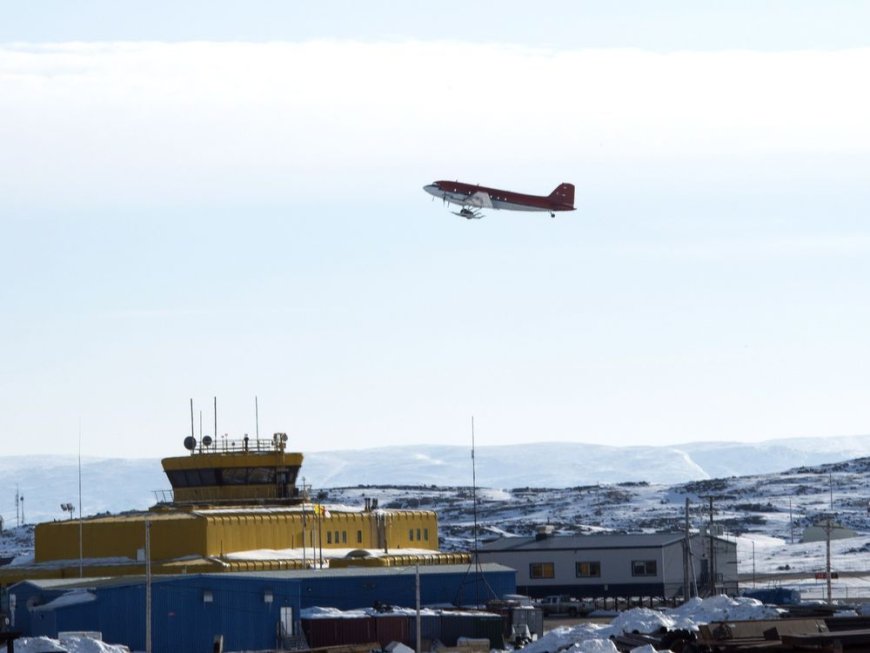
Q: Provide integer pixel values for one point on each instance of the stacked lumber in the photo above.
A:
(777, 635)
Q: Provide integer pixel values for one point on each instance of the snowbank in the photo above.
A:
(66, 645)
(594, 638)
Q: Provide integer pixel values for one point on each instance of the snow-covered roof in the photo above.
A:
(75, 597)
(313, 554)
(597, 541)
(285, 574)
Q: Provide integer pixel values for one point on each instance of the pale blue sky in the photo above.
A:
(208, 200)
(665, 25)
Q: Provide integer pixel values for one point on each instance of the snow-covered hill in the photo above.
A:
(115, 485)
(765, 513)
(561, 464)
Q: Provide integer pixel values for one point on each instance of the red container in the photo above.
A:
(392, 629)
(337, 632)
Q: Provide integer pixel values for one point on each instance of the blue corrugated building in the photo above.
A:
(255, 610)
(187, 611)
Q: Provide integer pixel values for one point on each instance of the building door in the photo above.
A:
(286, 621)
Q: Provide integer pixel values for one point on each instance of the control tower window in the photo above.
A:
(234, 476)
(209, 477)
(261, 475)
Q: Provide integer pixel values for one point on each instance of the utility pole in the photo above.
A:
(318, 511)
(81, 537)
(753, 564)
(711, 562)
(828, 528)
(304, 524)
(417, 593)
(687, 560)
(712, 553)
(148, 586)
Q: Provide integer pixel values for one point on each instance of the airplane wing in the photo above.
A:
(479, 200)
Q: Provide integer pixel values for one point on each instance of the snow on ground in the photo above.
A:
(66, 645)
(767, 554)
(759, 554)
(335, 613)
(492, 494)
(594, 638)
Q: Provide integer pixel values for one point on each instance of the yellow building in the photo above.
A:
(234, 506)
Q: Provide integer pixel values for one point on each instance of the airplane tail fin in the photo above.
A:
(564, 194)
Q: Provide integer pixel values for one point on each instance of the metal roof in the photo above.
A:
(351, 572)
(571, 542)
(289, 574)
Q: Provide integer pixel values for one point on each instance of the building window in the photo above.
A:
(344, 537)
(234, 476)
(418, 534)
(359, 537)
(643, 568)
(542, 570)
(329, 537)
(426, 534)
(411, 534)
(261, 476)
(588, 569)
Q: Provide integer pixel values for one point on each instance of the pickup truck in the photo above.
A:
(564, 604)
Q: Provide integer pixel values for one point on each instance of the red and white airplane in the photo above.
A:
(472, 198)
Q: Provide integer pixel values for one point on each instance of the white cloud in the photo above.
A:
(187, 121)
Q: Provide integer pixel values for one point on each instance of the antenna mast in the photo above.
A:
(81, 546)
(474, 512)
(475, 561)
(473, 489)
(257, 415)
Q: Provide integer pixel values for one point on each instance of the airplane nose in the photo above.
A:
(432, 189)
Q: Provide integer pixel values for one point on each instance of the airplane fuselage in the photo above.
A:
(457, 192)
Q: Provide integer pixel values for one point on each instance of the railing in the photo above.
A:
(164, 496)
(278, 442)
(168, 497)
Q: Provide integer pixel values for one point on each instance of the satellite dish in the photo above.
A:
(206, 441)
(190, 443)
